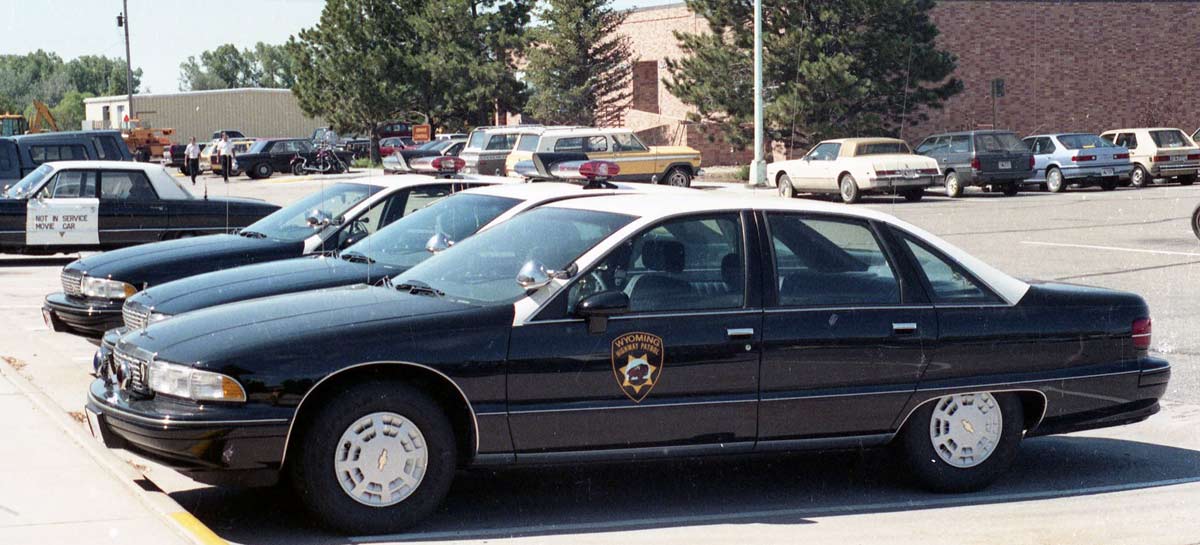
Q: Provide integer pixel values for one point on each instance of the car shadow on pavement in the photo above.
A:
(777, 489)
(44, 261)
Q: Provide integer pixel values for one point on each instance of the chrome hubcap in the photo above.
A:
(784, 187)
(847, 189)
(965, 428)
(381, 459)
(677, 179)
(1055, 180)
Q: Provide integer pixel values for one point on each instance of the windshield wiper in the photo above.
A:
(416, 287)
(251, 234)
(356, 257)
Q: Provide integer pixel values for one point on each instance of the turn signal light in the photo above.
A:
(1141, 333)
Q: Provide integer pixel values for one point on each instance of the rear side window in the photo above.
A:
(960, 144)
(596, 143)
(47, 153)
(126, 185)
(947, 282)
(569, 144)
(502, 142)
(528, 142)
(827, 262)
(1170, 139)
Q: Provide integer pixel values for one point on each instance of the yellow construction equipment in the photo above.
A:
(15, 124)
(145, 143)
(42, 117)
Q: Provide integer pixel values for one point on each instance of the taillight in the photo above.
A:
(1193, 156)
(1030, 161)
(931, 171)
(1141, 333)
(1160, 158)
(975, 164)
(1078, 158)
(885, 172)
(1121, 156)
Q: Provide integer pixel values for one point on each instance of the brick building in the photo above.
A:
(1067, 65)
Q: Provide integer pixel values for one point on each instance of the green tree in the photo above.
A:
(69, 112)
(274, 66)
(580, 70)
(194, 77)
(100, 76)
(831, 68)
(227, 67)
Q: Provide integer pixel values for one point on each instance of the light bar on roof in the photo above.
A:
(585, 170)
(439, 165)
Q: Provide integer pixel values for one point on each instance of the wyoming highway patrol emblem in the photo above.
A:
(637, 360)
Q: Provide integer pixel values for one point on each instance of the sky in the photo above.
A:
(163, 33)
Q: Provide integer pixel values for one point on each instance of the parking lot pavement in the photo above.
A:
(1134, 484)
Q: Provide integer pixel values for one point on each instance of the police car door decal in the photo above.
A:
(637, 361)
(62, 222)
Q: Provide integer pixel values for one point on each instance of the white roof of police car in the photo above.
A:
(549, 190)
(399, 181)
(651, 210)
(123, 165)
(164, 183)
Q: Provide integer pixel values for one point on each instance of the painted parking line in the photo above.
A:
(1111, 248)
(806, 512)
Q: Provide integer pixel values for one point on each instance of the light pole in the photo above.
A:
(123, 21)
(758, 169)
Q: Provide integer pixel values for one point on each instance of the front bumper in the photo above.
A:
(81, 316)
(210, 442)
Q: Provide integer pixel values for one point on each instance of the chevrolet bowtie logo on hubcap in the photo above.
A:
(966, 424)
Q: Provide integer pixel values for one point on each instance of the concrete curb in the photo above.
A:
(168, 510)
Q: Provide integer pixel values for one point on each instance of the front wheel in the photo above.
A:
(375, 459)
(963, 442)
(1139, 178)
(849, 189)
(297, 169)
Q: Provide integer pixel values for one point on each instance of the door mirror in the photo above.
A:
(318, 219)
(597, 307)
(533, 275)
(439, 242)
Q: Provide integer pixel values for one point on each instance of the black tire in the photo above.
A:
(1139, 178)
(913, 195)
(1187, 180)
(262, 170)
(1196, 222)
(297, 169)
(1055, 183)
(1109, 184)
(848, 189)
(954, 188)
(934, 473)
(677, 177)
(1011, 189)
(784, 184)
(312, 472)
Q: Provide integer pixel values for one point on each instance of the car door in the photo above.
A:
(65, 212)
(1042, 150)
(130, 210)
(818, 167)
(679, 369)
(845, 329)
(281, 154)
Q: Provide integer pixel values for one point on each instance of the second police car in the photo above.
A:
(335, 217)
(622, 327)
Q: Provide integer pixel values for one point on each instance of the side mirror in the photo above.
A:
(533, 275)
(318, 219)
(597, 307)
(439, 242)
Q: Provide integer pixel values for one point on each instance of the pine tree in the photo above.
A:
(579, 68)
(831, 68)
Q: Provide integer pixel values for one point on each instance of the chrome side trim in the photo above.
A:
(169, 422)
(786, 310)
(296, 412)
(618, 407)
(732, 312)
(908, 391)
(974, 390)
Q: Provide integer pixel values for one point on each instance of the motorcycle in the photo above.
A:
(325, 162)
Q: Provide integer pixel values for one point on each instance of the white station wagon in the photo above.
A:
(853, 167)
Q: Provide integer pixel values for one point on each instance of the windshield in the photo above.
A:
(1170, 139)
(881, 148)
(402, 244)
(1083, 141)
(258, 146)
(1001, 141)
(29, 183)
(483, 269)
(291, 222)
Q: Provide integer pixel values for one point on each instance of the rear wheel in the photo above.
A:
(375, 459)
(1196, 222)
(297, 169)
(849, 189)
(784, 184)
(677, 177)
(913, 195)
(954, 187)
(963, 442)
(1187, 180)
(1054, 181)
(1011, 189)
(1109, 184)
(263, 170)
(1139, 178)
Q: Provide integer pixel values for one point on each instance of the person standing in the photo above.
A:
(192, 156)
(225, 152)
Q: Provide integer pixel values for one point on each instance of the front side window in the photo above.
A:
(825, 152)
(933, 144)
(403, 243)
(291, 222)
(483, 268)
(126, 185)
(830, 262)
(627, 142)
(947, 282)
(72, 184)
(682, 264)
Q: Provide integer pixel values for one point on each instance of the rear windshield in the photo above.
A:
(1173, 138)
(528, 142)
(1083, 141)
(1001, 141)
(881, 148)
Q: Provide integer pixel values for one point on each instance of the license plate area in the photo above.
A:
(1005, 165)
(1106, 172)
(1179, 158)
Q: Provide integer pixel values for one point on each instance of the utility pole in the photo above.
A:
(758, 169)
(123, 20)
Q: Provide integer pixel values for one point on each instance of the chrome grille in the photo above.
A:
(130, 372)
(134, 317)
(72, 282)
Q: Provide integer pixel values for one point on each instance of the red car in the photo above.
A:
(388, 146)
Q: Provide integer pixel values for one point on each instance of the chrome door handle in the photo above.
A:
(740, 333)
(904, 328)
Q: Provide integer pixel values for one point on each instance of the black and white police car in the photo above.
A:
(623, 327)
(72, 206)
(333, 218)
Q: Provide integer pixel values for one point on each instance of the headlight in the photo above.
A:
(156, 317)
(104, 288)
(184, 381)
